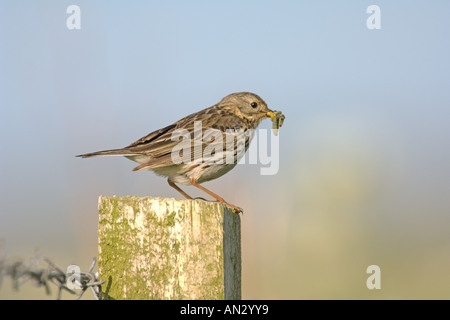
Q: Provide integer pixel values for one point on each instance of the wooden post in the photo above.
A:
(164, 248)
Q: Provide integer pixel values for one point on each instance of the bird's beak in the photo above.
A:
(270, 114)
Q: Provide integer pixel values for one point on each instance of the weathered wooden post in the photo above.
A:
(164, 248)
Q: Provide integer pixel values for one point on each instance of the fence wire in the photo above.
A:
(50, 275)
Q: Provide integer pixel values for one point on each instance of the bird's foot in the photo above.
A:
(199, 198)
(235, 208)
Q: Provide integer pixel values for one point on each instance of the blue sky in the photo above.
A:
(377, 100)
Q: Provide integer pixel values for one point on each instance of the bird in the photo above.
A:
(238, 114)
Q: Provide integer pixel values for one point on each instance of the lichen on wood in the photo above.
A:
(164, 248)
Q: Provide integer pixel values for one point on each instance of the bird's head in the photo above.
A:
(250, 105)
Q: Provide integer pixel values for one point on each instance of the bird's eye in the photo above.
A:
(254, 104)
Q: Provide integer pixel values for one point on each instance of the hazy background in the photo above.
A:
(364, 157)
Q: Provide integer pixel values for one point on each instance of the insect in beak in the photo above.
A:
(277, 118)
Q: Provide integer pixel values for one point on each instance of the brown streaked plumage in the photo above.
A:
(241, 112)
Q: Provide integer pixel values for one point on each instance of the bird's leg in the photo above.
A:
(218, 198)
(173, 185)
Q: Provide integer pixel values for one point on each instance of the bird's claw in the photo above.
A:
(236, 209)
(199, 198)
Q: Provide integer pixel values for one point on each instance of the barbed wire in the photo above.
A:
(32, 270)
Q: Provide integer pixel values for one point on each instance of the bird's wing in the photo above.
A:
(161, 147)
(151, 137)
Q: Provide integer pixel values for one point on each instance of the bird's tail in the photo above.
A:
(113, 152)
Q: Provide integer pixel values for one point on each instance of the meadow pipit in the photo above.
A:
(206, 150)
